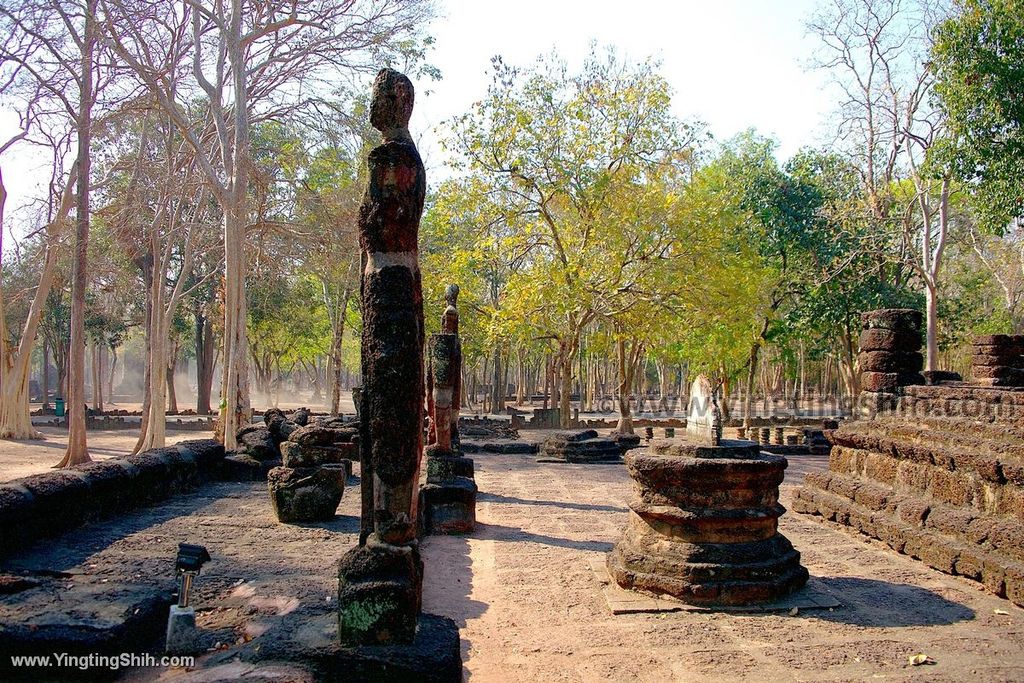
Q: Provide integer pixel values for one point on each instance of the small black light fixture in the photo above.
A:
(189, 562)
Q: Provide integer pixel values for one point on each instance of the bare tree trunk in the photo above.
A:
(235, 412)
(497, 391)
(172, 394)
(97, 375)
(931, 297)
(337, 339)
(110, 374)
(15, 417)
(46, 374)
(204, 362)
(547, 382)
(15, 364)
(565, 393)
(626, 372)
(77, 451)
(565, 358)
(748, 398)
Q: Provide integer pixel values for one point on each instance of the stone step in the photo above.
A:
(1001, 572)
(950, 447)
(957, 487)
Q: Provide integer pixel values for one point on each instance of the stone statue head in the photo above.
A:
(391, 101)
(450, 316)
(451, 295)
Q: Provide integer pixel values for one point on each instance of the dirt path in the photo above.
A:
(523, 592)
(22, 458)
(526, 599)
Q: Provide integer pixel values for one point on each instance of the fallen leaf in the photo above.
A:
(919, 659)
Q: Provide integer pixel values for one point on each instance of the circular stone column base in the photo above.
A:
(742, 581)
(703, 526)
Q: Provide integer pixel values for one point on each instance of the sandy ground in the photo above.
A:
(529, 606)
(22, 458)
(526, 598)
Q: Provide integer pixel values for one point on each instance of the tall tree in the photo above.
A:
(15, 363)
(558, 152)
(978, 62)
(877, 51)
(251, 61)
(65, 66)
(162, 214)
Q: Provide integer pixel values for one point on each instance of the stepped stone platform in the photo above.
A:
(703, 526)
(580, 446)
(962, 400)
(940, 479)
(627, 442)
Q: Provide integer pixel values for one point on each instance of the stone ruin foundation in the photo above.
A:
(703, 521)
(998, 360)
(890, 356)
(938, 476)
(316, 463)
(580, 446)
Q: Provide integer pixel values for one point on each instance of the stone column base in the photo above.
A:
(380, 587)
(448, 499)
(703, 525)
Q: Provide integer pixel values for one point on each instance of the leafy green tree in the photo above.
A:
(562, 157)
(978, 61)
(784, 225)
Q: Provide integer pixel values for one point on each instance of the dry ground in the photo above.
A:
(22, 458)
(527, 601)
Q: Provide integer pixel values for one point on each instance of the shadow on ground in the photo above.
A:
(448, 584)
(497, 532)
(881, 604)
(498, 498)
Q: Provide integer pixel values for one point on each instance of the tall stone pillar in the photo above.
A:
(448, 499)
(380, 581)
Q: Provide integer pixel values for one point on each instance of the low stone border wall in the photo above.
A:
(54, 502)
(107, 422)
(948, 491)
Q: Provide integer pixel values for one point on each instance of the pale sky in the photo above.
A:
(734, 64)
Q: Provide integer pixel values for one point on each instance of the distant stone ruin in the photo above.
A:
(890, 356)
(580, 446)
(703, 521)
(998, 360)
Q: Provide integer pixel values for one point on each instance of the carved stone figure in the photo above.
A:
(444, 378)
(380, 582)
(448, 498)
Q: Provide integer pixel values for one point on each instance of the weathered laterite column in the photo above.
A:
(380, 581)
(448, 499)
